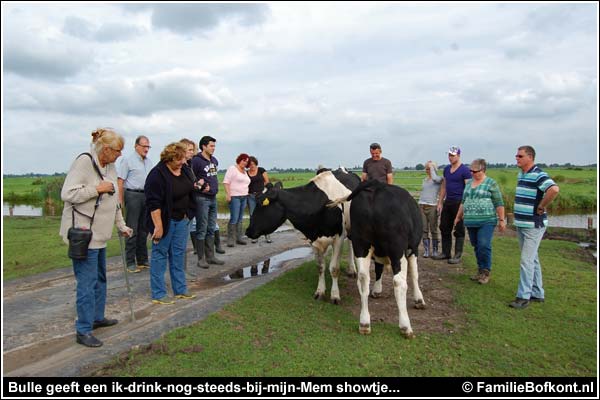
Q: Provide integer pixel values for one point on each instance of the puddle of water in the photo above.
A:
(269, 265)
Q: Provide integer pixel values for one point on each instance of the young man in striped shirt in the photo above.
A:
(535, 190)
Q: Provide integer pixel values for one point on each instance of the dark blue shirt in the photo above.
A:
(455, 182)
(207, 170)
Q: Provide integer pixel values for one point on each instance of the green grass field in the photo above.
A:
(279, 330)
(578, 186)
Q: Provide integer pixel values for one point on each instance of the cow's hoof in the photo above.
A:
(336, 301)
(364, 329)
(408, 334)
(318, 296)
(420, 304)
(375, 295)
(352, 275)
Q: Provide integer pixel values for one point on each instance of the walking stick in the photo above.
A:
(126, 276)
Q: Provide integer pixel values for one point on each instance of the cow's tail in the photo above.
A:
(337, 202)
(363, 186)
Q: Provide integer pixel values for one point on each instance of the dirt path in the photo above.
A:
(39, 311)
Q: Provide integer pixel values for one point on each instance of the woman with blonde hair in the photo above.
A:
(169, 204)
(428, 206)
(90, 203)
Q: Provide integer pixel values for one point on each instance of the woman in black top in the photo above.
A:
(258, 179)
(169, 203)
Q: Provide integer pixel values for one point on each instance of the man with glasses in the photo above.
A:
(535, 190)
(132, 172)
(455, 177)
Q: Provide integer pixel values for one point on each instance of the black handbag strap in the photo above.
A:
(73, 209)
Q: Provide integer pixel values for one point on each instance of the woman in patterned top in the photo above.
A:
(481, 208)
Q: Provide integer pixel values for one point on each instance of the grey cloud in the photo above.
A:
(49, 61)
(111, 32)
(170, 91)
(533, 97)
(188, 18)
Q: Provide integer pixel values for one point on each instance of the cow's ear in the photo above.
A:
(278, 185)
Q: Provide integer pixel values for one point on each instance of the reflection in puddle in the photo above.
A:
(269, 265)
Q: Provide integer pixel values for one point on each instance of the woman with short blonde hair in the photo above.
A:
(90, 203)
(169, 204)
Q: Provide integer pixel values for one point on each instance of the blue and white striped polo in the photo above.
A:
(531, 186)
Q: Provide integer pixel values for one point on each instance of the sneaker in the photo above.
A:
(164, 301)
(133, 269)
(536, 299)
(185, 296)
(519, 303)
(142, 266)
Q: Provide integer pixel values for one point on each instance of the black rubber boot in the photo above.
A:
(218, 247)
(209, 249)
(240, 234)
(446, 249)
(193, 237)
(458, 250)
(230, 235)
(200, 251)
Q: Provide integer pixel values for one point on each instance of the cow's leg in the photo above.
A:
(363, 289)
(351, 271)
(320, 258)
(414, 282)
(334, 269)
(400, 288)
(377, 286)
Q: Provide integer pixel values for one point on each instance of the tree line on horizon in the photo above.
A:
(356, 168)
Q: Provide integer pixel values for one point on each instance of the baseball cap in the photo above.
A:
(454, 150)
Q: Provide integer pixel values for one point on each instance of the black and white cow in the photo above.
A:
(306, 208)
(386, 225)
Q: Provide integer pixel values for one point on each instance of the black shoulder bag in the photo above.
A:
(80, 238)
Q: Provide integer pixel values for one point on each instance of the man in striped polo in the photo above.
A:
(535, 190)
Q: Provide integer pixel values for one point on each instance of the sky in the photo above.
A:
(299, 84)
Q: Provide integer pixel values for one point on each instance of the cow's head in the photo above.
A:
(268, 215)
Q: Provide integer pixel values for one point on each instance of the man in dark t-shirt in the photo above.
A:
(456, 175)
(377, 167)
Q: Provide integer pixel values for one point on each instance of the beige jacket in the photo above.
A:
(79, 189)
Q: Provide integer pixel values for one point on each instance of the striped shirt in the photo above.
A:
(531, 186)
(479, 203)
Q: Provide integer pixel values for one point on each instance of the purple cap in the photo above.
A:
(454, 150)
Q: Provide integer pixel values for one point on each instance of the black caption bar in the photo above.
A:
(299, 387)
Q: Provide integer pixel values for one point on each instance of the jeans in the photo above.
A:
(251, 203)
(172, 248)
(530, 283)
(206, 216)
(237, 205)
(136, 244)
(90, 275)
(481, 239)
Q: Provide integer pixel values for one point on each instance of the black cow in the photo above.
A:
(306, 208)
(385, 224)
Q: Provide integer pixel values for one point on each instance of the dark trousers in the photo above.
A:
(135, 248)
(449, 211)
